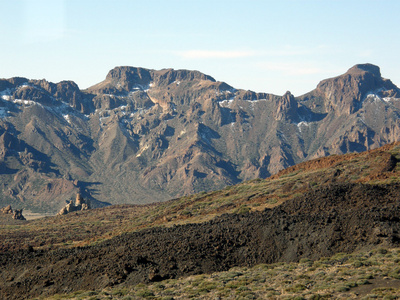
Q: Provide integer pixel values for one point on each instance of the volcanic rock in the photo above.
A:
(330, 219)
(18, 215)
(7, 210)
(80, 204)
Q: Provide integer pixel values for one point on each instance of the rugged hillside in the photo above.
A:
(359, 275)
(144, 135)
(314, 209)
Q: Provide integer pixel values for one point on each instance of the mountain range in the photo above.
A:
(144, 135)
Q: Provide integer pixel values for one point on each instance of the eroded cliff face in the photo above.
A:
(146, 135)
(345, 94)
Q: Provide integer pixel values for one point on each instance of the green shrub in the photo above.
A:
(382, 251)
(320, 297)
(119, 292)
(363, 282)
(357, 264)
(242, 209)
(343, 288)
(395, 273)
(145, 294)
(296, 288)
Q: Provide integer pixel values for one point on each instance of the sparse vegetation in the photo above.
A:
(328, 278)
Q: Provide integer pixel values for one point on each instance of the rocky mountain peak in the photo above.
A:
(127, 77)
(168, 76)
(360, 68)
(122, 80)
(286, 107)
(18, 80)
(345, 93)
(288, 96)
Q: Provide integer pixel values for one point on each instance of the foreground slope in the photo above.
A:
(145, 135)
(317, 208)
(360, 275)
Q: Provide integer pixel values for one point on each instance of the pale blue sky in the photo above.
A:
(264, 46)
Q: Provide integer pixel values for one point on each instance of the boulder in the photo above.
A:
(18, 215)
(7, 210)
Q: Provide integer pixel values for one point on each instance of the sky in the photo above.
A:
(259, 45)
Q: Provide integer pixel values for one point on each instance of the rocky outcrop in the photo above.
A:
(7, 210)
(16, 214)
(169, 76)
(79, 204)
(287, 107)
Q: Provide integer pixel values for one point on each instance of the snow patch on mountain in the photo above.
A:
(225, 91)
(374, 96)
(142, 87)
(256, 101)
(67, 118)
(142, 150)
(226, 102)
(303, 124)
(6, 94)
